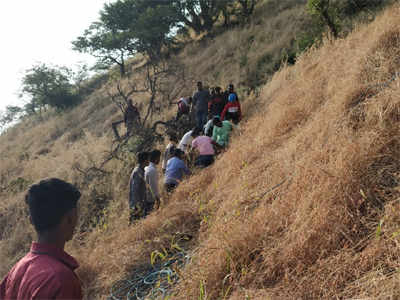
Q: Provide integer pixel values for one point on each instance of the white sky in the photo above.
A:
(35, 31)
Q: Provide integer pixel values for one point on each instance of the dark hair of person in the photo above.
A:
(178, 153)
(173, 137)
(142, 157)
(49, 200)
(196, 132)
(154, 155)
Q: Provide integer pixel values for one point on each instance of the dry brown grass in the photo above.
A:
(291, 211)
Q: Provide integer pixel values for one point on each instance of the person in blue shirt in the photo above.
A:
(175, 170)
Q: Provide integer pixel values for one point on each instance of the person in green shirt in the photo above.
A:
(221, 131)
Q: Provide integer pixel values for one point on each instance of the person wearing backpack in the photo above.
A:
(230, 90)
(232, 110)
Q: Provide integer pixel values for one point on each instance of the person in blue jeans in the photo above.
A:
(176, 168)
(200, 101)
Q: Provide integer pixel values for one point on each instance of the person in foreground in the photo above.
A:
(47, 272)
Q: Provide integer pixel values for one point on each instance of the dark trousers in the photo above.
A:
(140, 211)
(170, 187)
(201, 119)
(204, 160)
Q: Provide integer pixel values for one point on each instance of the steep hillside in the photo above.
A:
(304, 204)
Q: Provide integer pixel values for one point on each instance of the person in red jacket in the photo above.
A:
(47, 272)
(232, 110)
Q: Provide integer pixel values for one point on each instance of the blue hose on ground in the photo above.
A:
(151, 283)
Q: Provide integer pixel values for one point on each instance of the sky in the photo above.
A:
(40, 31)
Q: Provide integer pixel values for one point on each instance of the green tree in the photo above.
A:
(48, 86)
(201, 15)
(11, 114)
(149, 23)
(326, 12)
(109, 45)
(127, 27)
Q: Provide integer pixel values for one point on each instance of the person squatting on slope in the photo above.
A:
(47, 271)
(151, 177)
(138, 205)
(204, 146)
(176, 168)
(169, 150)
(221, 132)
(200, 100)
(183, 107)
(232, 110)
(186, 141)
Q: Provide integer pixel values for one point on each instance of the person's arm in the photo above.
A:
(134, 195)
(3, 288)
(152, 180)
(214, 135)
(165, 159)
(184, 168)
(224, 112)
(64, 285)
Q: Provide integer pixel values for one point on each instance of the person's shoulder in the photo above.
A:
(63, 283)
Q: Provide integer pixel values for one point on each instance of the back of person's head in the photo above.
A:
(154, 156)
(231, 87)
(232, 97)
(196, 132)
(217, 120)
(178, 153)
(217, 89)
(199, 84)
(173, 137)
(49, 201)
(142, 157)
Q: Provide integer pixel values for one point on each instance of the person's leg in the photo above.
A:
(204, 120)
(199, 119)
(170, 187)
(178, 115)
(208, 160)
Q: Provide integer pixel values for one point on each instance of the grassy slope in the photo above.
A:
(311, 237)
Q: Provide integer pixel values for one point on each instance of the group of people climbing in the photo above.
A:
(47, 271)
(217, 113)
(209, 103)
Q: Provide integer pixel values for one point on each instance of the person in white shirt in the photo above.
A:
(186, 141)
(151, 178)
